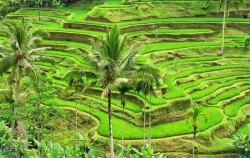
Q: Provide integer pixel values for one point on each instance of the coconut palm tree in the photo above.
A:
(113, 63)
(144, 87)
(123, 88)
(19, 56)
(225, 4)
(194, 116)
(78, 79)
(148, 78)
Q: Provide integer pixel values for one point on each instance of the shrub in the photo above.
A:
(242, 145)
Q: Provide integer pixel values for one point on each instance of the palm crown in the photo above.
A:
(22, 50)
(110, 60)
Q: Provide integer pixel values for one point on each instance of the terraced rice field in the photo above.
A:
(186, 50)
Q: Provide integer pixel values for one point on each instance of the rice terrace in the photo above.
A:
(124, 78)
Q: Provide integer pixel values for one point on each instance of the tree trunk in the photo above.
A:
(144, 121)
(112, 154)
(76, 119)
(149, 125)
(123, 120)
(194, 140)
(89, 115)
(193, 146)
(38, 9)
(223, 29)
(17, 89)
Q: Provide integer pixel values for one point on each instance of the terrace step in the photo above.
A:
(177, 23)
(208, 89)
(75, 37)
(65, 45)
(211, 82)
(189, 82)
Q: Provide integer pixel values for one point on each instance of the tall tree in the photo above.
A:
(194, 116)
(20, 55)
(113, 62)
(148, 77)
(225, 4)
(123, 89)
(78, 79)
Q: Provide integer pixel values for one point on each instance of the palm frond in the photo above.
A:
(36, 51)
(106, 91)
(35, 58)
(129, 61)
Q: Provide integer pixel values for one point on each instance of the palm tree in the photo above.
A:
(144, 87)
(226, 8)
(148, 77)
(123, 89)
(194, 116)
(20, 55)
(113, 64)
(77, 79)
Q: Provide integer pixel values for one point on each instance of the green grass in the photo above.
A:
(228, 94)
(182, 20)
(141, 11)
(245, 128)
(232, 109)
(190, 60)
(167, 31)
(66, 44)
(175, 92)
(214, 87)
(186, 86)
(134, 132)
(43, 12)
(129, 105)
(175, 45)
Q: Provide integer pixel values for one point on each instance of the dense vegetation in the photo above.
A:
(124, 78)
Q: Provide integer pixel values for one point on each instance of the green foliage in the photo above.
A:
(242, 144)
(8, 6)
(10, 146)
(247, 42)
(145, 152)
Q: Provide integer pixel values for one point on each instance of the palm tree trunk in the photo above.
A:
(76, 119)
(149, 125)
(194, 140)
(193, 147)
(223, 29)
(38, 9)
(144, 121)
(123, 120)
(112, 154)
(17, 91)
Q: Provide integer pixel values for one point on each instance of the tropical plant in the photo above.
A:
(78, 79)
(146, 152)
(247, 42)
(123, 88)
(242, 145)
(194, 115)
(125, 151)
(19, 56)
(113, 65)
(225, 4)
(10, 146)
(148, 77)
(38, 92)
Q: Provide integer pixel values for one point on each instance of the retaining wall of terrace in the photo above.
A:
(175, 111)
(64, 36)
(152, 26)
(198, 35)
